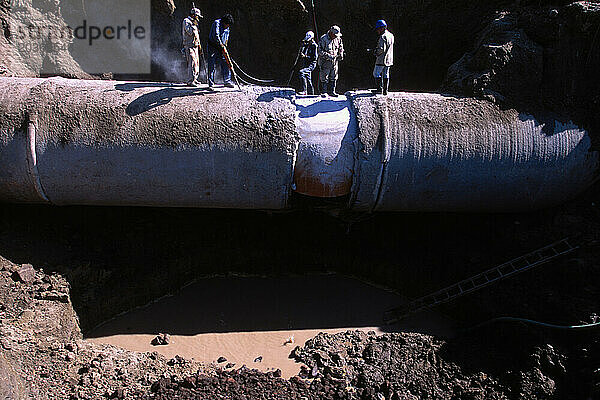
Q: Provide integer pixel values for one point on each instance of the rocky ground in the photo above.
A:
(43, 354)
(357, 365)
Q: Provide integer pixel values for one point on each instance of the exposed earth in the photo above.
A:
(45, 355)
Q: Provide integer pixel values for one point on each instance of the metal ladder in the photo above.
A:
(479, 281)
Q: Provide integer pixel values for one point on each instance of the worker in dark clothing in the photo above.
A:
(217, 40)
(308, 54)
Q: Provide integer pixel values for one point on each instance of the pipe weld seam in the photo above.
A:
(32, 160)
(385, 143)
(356, 145)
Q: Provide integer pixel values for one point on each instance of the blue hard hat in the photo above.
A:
(380, 24)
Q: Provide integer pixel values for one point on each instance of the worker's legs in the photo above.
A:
(188, 63)
(193, 64)
(382, 74)
(304, 79)
(309, 79)
(212, 57)
(324, 69)
(332, 78)
(385, 75)
(332, 87)
(322, 88)
(304, 83)
(378, 79)
(225, 72)
(216, 58)
(324, 72)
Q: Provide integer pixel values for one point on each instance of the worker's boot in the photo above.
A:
(303, 91)
(332, 85)
(323, 89)
(385, 86)
(378, 85)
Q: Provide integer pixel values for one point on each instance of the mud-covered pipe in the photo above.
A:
(429, 152)
(151, 144)
(109, 143)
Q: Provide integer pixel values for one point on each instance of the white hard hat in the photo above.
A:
(196, 12)
(310, 35)
(336, 31)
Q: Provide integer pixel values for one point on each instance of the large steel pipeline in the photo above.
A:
(105, 143)
(430, 152)
(151, 144)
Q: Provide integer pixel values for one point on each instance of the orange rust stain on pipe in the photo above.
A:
(309, 185)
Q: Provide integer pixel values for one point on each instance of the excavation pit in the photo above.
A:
(267, 280)
(246, 319)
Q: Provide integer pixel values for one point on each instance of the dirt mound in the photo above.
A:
(542, 57)
(43, 356)
(245, 384)
(405, 366)
(359, 365)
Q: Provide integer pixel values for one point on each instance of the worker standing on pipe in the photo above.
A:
(217, 40)
(331, 52)
(308, 53)
(385, 57)
(191, 45)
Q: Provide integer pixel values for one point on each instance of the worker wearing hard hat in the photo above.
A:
(191, 45)
(331, 52)
(217, 42)
(385, 57)
(308, 53)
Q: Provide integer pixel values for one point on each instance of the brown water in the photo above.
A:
(243, 318)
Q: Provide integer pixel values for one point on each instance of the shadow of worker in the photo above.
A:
(321, 107)
(149, 101)
(131, 86)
